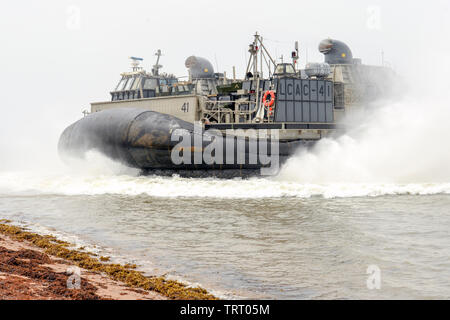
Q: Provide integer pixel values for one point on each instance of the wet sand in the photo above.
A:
(35, 267)
(27, 273)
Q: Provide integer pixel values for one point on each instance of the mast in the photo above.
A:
(257, 46)
(157, 66)
(254, 70)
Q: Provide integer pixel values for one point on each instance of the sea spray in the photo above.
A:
(398, 141)
(402, 142)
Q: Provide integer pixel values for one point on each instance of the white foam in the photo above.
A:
(26, 182)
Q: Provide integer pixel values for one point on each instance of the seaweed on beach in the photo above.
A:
(126, 274)
(26, 268)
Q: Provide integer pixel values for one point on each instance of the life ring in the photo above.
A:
(205, 121)
(269, 103)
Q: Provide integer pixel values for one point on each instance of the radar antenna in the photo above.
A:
(135, 63)
(157, 66)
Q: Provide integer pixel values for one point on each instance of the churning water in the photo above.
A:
(259, 238)
(378, 195)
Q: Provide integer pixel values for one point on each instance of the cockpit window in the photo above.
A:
(136, 84)
(121, 84)
(279, 69)
(172, 81)
(284, 68)
(151, 83)
(129, 83)
(289, 69)
(162, 82)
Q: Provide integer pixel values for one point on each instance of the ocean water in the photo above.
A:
(259, 238)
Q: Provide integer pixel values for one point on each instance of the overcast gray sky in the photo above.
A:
(58, 56)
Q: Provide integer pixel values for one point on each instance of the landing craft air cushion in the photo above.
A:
(162, 125)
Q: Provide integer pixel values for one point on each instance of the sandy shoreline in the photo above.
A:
(35, 267)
